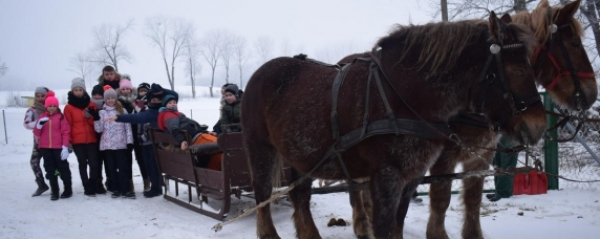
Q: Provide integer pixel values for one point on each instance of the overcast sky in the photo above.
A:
(39, 37)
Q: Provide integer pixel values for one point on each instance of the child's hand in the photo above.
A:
(184, 145)
(112, 118)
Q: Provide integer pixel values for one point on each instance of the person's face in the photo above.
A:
(111, 101)
(39, 97)
(97, 97)
(109, 75)
(125, 91)
(155, 101)
(172, 104)
(78, 91)
(229, 97)
(142, 92)
(51, 109)
(222, 92)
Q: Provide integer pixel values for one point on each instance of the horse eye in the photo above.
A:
(518, 72)
(576, 44)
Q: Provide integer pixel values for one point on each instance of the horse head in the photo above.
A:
(560, 61)
(506, 87)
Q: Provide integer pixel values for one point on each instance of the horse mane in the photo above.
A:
(439, 45)
(539, 21)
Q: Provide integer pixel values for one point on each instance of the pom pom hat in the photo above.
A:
(109, 92)
(51, 99)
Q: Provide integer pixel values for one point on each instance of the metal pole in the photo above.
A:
(5, 133)
(191, 114)
(582, 142)
(551, 146)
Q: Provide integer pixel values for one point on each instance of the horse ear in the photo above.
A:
(568, 11)
(495, 28)
(506, 18)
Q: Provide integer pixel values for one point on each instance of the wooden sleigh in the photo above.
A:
(179, 167)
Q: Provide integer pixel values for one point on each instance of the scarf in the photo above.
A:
(167, 108)
(39, 107)
(79, 102)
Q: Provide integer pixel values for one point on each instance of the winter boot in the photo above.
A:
(100, 188)
(131, 186)
(68, 191)
(88, 190)
(146, 185)
(42, 187)
(54, 189)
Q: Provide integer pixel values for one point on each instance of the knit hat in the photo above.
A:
(78, 82)
(98, 90)
(168, 98)
(125, 77)
(233, 89)
(109, 92)
(125, 84)
(157, 91)
(41, 89)
(144, 85)
(50, 99)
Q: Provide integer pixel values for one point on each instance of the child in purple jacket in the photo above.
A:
(53, 131)
(115, 138)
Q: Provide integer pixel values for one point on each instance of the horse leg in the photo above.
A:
(362, 210)
(407, 193)
(262, 158)
(386, 188)
(300, 198)
(439, 197)
(472, 191)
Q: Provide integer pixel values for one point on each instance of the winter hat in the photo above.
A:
(157, 91)
(50, 99)
(78, 82)
(168, 98)
(41, 89)
(125, 77)
(109, 92)
(144, 85)
(233, 89)
(125, 84)
(97, 90)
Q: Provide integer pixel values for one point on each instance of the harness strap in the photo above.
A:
(335, 91)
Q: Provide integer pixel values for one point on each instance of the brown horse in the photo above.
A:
(567, 76)
(289, 109)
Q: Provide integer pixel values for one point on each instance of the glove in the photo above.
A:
(64, 154)
(93, 113)
(41, 122)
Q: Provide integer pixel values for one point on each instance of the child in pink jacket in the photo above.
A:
(53, 131)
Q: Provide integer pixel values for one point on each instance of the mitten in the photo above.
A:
(64, 154)
(41, 122)
(92, 112)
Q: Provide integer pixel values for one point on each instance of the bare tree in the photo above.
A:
(3, 68)
(169, 35)
(192, 64)
(226, 51)
(81, 65)
(212, 53)
(108, 46)
(240, 56)
(264, 48)
(468, 9)
(591, 10)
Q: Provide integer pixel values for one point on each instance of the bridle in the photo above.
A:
(546, 50)
(494, 74)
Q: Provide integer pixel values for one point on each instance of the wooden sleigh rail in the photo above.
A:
(179, 167)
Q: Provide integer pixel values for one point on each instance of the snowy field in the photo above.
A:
(569, 213)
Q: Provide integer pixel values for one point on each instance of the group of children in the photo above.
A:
(107, 127)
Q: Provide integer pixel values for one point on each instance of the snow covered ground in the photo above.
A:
(569, 213)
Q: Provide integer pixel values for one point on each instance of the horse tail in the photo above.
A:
(277, 171)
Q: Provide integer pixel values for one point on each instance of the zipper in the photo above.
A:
(50, 132)
(85, 126)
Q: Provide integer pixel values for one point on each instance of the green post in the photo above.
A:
(550, 147)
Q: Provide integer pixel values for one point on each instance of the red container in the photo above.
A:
(532, 183)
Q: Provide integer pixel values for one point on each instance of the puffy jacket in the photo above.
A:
(144, 120)
(115, 135)
(82, 128)
(55, 133)
(174, 122)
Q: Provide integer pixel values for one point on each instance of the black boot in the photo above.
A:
(68, 192)
(42, 187)
(100, 188)
(88, 189)
(54, 189)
